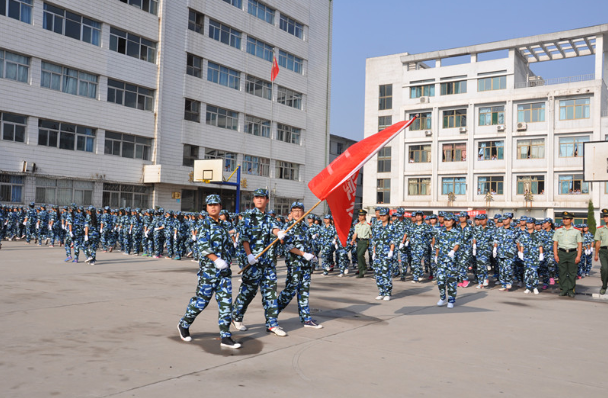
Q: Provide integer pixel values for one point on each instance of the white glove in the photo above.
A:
(156, 229)
(308, 256)
(281, 235)
(314, 236)
(333, 242)
(494, 252)
(25, 223)
(220, 263)
(586, 252)
(401, 245)
(37, 226)
(63, 227)
(235, 244)
(146, 233)
(50, 227)
(451, 254)
(336, 246)
(390, 254)
(100, 230)
(373, 256)
(436, 260)
(252, 260)
(541, 257)
(71, 234)
(194, 238)
(407, 243)
(86, 238)
(520, 255)
(474, 250)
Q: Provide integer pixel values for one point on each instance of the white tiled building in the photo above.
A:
(489, 126)
(109, 102)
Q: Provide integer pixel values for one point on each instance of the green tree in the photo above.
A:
(591, 217)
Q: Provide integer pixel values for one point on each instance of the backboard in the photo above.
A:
(595, 161)
(208, 170)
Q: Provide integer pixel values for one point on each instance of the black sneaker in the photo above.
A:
(228, 342)
(184, 333)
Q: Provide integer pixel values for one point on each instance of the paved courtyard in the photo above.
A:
(109, 330)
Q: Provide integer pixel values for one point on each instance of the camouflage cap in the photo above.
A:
(383, 211)
(463, 214)
(298, 205)
(497, 215)
(260, 192)
(481, 217)
(213, 199)
(508, 215)
(328, 216)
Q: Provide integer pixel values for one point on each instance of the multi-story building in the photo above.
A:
(109, 102)
(490, 133)
(337, 146)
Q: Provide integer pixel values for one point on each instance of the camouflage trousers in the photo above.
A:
(75, 242)
(212, 280)
(483, 263)
(42, 232)
(55, 234)
(584, 266)
(30, 231)
(464, 257)
(531, 274)
(158, 242)
(447, 274)
(298, 282)
(418, 254)
(263, 276)
(90, 246)
(383, 274)
(505, 267)
(342, 259)
(107, 238)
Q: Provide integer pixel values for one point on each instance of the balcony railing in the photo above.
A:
(537, 82)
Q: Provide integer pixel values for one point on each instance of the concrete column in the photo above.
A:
(435, 151)
(601, 58)
(550, 151)
(438, 63)
(473, 58)
(508, 194)
(471, 151)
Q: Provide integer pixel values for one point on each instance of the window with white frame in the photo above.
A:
(454, 152)
(384, 160)
(128, 146)
(491, 150)
(572, 147)
(282, 205)
(150, 6)
(13, 127)
(223, 118)
(11, 188)
(419, 186)
(291, 26)
(120, 195)
(572, 184)
(427, 90)
(458, 185)
(454, 118)
(190, 155)
(287, 170)
(261, 11)
(229, 158)
(383, 190)
(492, 115)
(288, 134)
(258, 87)
(423, 122)
(531, 149)
(289, 97)
(237, 3)
(21, 10)
(223, 76)
(192, 111)
(533, 184)
(531, 113)
(385, 97)
(492, 83)
(71, 25)
(256, 165)
(419, 153)
(574, 109)
(65, 136)
(14, 66)
(291, 62)
(63, 192)
(67, 80)
(194, 66)
(130, 95)
(132, 45)
(257, 126)
(196, 21)
(450, 88)
(491, 184)
(384, 122)
(224, 34)
(260, 49)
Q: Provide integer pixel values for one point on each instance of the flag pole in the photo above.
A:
(287, 230)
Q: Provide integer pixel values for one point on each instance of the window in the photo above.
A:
(257, 126)
(260, 49)
(132, 45)
(420, 153)
(68, 80)
(288, 134)
(117, 195)
(534, 184)
(291, 62)
(572, 184)
(531, 149)
(258, 87)
(572, 147)
(458, 185)
(150, 6)
(385, 97)
(255, 165)
(289, 97)
(531, 113)
(384, 160)
(228, 157)
(384, 122)
(14, 66)
(64, 192)
(196, 21)
(490, 116)
(71, 25)
(13, 127)
(574, 109)
(287, 170)
(192, 111)
(130, 95)
(421, 123)
(491, 150)
(21, 10)
(194, 66)
(492, 83)
(494, 185)
(224, 34)
(419, 186)
(223, 118)
(261, 11)
(456, 152)
(422, 91)
(223, 76)
(454, 118)
(190, 155)
(282, 205)
(11, 187)
(128, 146)
(383, 190)
(291, 26)
(450, 88)
(339, 148)
(66, 136)
(236, 3)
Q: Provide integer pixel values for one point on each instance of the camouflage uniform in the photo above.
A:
(384, 237)
(90, 245)
(584, 267)
(42, 229)
(30, 223)
(419, 236)
(328, 234)
(506, 249)
(484, 240)
(465, 251)
(447, 269)
(531, 243)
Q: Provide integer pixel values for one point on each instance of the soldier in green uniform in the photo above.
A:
(567, 248)
(363, 232)
(601, 250)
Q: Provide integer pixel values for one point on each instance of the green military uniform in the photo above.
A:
(363, 231)
(569, 241)
(601, 236)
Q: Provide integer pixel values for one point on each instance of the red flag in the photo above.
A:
(275, 69)
(343, 172)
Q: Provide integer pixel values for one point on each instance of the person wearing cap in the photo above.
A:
(601, 250)
(447, 245)
(42, 222)
(314, 231)
(91, 235)
(465, 252)
(363, 232)
(548, 271)
(158, 233)
(257, 232)
(214, 275)
(584, 267)
(299, 260)
(417, 236)
(481, 249)
(30, 223)
(328, 237)
(567, 250)
(530, 251)
(505, 250)
(383, 251)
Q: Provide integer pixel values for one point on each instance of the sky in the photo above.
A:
(363, 29)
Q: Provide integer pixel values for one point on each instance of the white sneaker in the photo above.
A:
(450, 305)
(278, 331)
(379, 297)
(340, 276)
(387, 298)
(346, 271)
(88, 259)
(441, 303)
(527, 291)
(535, 291)
(239, 326)
(479, 286)
(486, 282)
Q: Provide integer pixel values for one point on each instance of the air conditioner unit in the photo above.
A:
(521, 126)
(424, 100)
(463, 130)
(500, 127)
(428, 133)
(28, 167)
